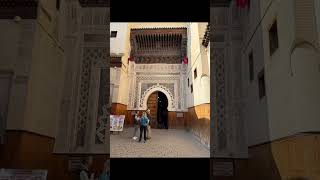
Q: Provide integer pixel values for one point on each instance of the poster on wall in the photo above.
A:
(17, 174)
(116, 122)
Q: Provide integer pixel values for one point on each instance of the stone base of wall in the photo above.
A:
(121, 109)
(292, 158)
(198, 122)
(175, 122)
(26, 150)
(118, 109)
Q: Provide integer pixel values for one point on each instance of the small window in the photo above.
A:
(188, 82)
(262, 86)
(191, 88)
(114, 34)
(58, 4)
(273, 38)
(251, 67)
(195, 73)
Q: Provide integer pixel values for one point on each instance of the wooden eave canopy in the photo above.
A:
(158, 45)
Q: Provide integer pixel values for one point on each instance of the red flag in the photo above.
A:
(185, 60)
(242, 3)
(130, 59)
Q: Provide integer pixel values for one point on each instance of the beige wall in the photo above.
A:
(45, 87)
(15, 55)
(34, 55)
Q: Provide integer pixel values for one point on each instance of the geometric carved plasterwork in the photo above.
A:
(228, 128)
(158, 68)
(146, 78)
(103, 113)
(91, 55)
(218, 55)
(169, 84)
(86, 87)
(157, 87)
(83, 98)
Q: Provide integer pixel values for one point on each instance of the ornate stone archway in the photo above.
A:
(152, 89)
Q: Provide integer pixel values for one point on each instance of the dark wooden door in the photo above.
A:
(152, 104)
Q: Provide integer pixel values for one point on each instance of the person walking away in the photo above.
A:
(149, 126)
(166, 119)
(144, 121)
(136, 125)
(105, 175)
(84, 169)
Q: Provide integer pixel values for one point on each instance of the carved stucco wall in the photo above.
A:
(85, 113)
(228, 132)
(147, 78)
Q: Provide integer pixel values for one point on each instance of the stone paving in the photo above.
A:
(164, 143)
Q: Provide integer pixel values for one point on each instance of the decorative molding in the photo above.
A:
(143, 78)
(154, 88)
(103, 111)
(91, 57)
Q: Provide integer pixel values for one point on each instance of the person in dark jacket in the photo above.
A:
(144, 121)
(149, 125)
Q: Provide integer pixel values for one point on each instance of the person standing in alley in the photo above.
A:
(149, 125)
(144, 121)
(136, 125)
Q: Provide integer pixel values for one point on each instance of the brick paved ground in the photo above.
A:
(164, 143)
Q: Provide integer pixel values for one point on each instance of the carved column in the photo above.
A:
(228, 127)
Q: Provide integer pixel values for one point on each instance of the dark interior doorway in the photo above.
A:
(162, 111)
(158, 105)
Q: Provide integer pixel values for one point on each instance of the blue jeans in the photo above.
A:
(144, 130)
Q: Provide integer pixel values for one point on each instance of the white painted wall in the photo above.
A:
(254, 109)
(198, 58)
(288, 110)
(305, 90)
(118, 76)
(119, 82)
(117, 44)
